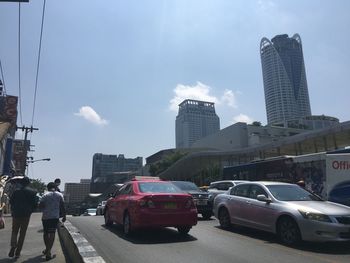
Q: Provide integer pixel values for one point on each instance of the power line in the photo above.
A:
(38, 63)
(19, 62)
(3, 80)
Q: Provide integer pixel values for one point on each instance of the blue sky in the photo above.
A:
(112, 72)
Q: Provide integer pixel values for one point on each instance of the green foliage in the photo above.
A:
(209, 174)
(256, 123)
(38, 185)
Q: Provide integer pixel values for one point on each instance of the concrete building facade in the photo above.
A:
(314, 122)
(285, 85)
(76, 192)
(241, 135)
(108, 169)
(195, 120)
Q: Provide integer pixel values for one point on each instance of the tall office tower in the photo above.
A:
(285, 86)
(109, 169)
(195, 120)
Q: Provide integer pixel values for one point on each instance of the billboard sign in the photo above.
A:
(338, 178)
(10, 112)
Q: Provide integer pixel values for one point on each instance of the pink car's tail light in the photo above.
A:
(147, 203)
(189, 204)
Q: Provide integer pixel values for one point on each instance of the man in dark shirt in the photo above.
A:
(23, 202)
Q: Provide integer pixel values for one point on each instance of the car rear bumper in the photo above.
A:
(322, 232)
(204, 208)
(149, 218)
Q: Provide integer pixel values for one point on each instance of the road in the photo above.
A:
(206, 242)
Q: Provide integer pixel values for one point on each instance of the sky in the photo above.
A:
(113, 72)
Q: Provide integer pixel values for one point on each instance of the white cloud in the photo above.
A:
(242, 118)
(229, 98)
(265, 5)
(91, 115)
(200, 92)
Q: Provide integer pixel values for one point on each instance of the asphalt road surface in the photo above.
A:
(206, 242)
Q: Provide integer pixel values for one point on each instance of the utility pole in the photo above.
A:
(26, 147)
(26, 129)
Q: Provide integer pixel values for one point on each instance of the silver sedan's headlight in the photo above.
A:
(315, 216)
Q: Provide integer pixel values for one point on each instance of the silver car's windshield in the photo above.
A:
(291, 193)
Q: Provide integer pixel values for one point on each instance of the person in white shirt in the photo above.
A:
(52, 205)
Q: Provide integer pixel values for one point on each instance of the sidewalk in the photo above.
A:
(33, 243)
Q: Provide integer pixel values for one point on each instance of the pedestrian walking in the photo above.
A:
(52, 205)
(23, 202)
(57, 183)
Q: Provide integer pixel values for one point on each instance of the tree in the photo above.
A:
(256, 123)
(38, 185)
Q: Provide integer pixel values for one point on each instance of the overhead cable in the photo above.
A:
(19, 63)
(38, 62)
(3, 80)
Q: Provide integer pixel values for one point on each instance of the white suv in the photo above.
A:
(220, 187)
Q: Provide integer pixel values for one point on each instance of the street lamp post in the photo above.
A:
(33, 161)
(30, 160)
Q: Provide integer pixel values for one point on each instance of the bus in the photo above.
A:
(326, 174)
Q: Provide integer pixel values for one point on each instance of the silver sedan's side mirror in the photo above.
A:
(263, 198)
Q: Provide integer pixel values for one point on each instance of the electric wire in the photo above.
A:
(3, 80)
(38, 62)
(19, 63)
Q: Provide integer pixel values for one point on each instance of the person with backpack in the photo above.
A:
(23, 202)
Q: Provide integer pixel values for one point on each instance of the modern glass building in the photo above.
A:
(195, 120)
(108, 169)
(285, 86)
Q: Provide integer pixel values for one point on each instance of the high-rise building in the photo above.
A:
(195, 120)
(285, 86)
(108, 169)
(76, 192)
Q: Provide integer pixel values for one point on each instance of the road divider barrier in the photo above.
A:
(76, 246)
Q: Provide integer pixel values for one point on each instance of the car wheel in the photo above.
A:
(224, 218)
(108, 222)
(126, 224)
(206, 215)
(183, 230)
(288, 231)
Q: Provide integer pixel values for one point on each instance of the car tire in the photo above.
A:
(183, 230)
(206, 215)
(224, 218)
(288, 231)
(126, 224)
(108, 222)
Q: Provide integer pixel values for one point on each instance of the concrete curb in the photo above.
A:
(78, 248)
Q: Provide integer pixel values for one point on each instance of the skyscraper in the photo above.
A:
(195, 120)
(108, 169)
(285, 86)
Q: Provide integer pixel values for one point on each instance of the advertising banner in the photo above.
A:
(10, 112)
(338, 178)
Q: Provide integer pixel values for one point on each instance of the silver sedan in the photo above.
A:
(287, 210)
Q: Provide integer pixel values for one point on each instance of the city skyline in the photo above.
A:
(112, 74)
